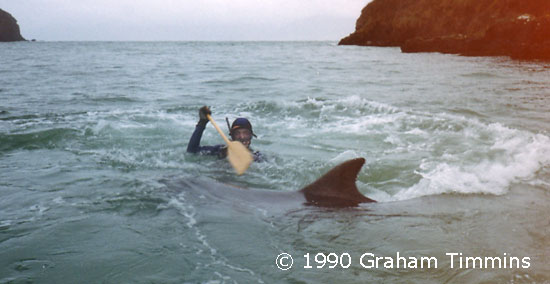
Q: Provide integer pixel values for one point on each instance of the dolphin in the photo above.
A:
(336, 188)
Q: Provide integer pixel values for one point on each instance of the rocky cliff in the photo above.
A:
(9, 29)
(516, 28)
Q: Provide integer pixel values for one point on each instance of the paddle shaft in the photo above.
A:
(218, 129)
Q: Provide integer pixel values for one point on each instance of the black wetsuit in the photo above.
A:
(217, 150)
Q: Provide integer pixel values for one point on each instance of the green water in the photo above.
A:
(457, 150)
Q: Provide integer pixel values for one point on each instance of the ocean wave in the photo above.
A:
(44, 139)
(410, 153)
(238, 80)
(19, 117)
(514, 156)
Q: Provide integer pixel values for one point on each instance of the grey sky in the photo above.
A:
(185, 19)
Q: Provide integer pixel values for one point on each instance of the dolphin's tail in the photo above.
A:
(337, 187)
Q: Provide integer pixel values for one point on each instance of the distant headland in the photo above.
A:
(9, 29)
(516, 28)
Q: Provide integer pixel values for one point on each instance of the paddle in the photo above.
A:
(237, 154)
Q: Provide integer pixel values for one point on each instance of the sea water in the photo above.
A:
(457, 153)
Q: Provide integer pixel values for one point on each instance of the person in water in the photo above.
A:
(241, 130)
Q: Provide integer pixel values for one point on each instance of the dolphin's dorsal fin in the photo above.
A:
(337, 187)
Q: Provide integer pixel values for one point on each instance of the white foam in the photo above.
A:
(356, 101)
(100, 126)
(40, 209)
(455, 153)
(519, 155)
(5, 223)
(417, 131)
(58, 200)
(186, 210)
(189, 212)
(393, 139)
(374, 193)
(344, 156)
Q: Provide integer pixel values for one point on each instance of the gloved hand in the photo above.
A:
(203, 111)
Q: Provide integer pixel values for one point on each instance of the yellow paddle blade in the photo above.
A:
(239, 156)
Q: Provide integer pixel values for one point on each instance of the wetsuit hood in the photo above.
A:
(239, 123)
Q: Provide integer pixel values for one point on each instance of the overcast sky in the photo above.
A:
(185, 19)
